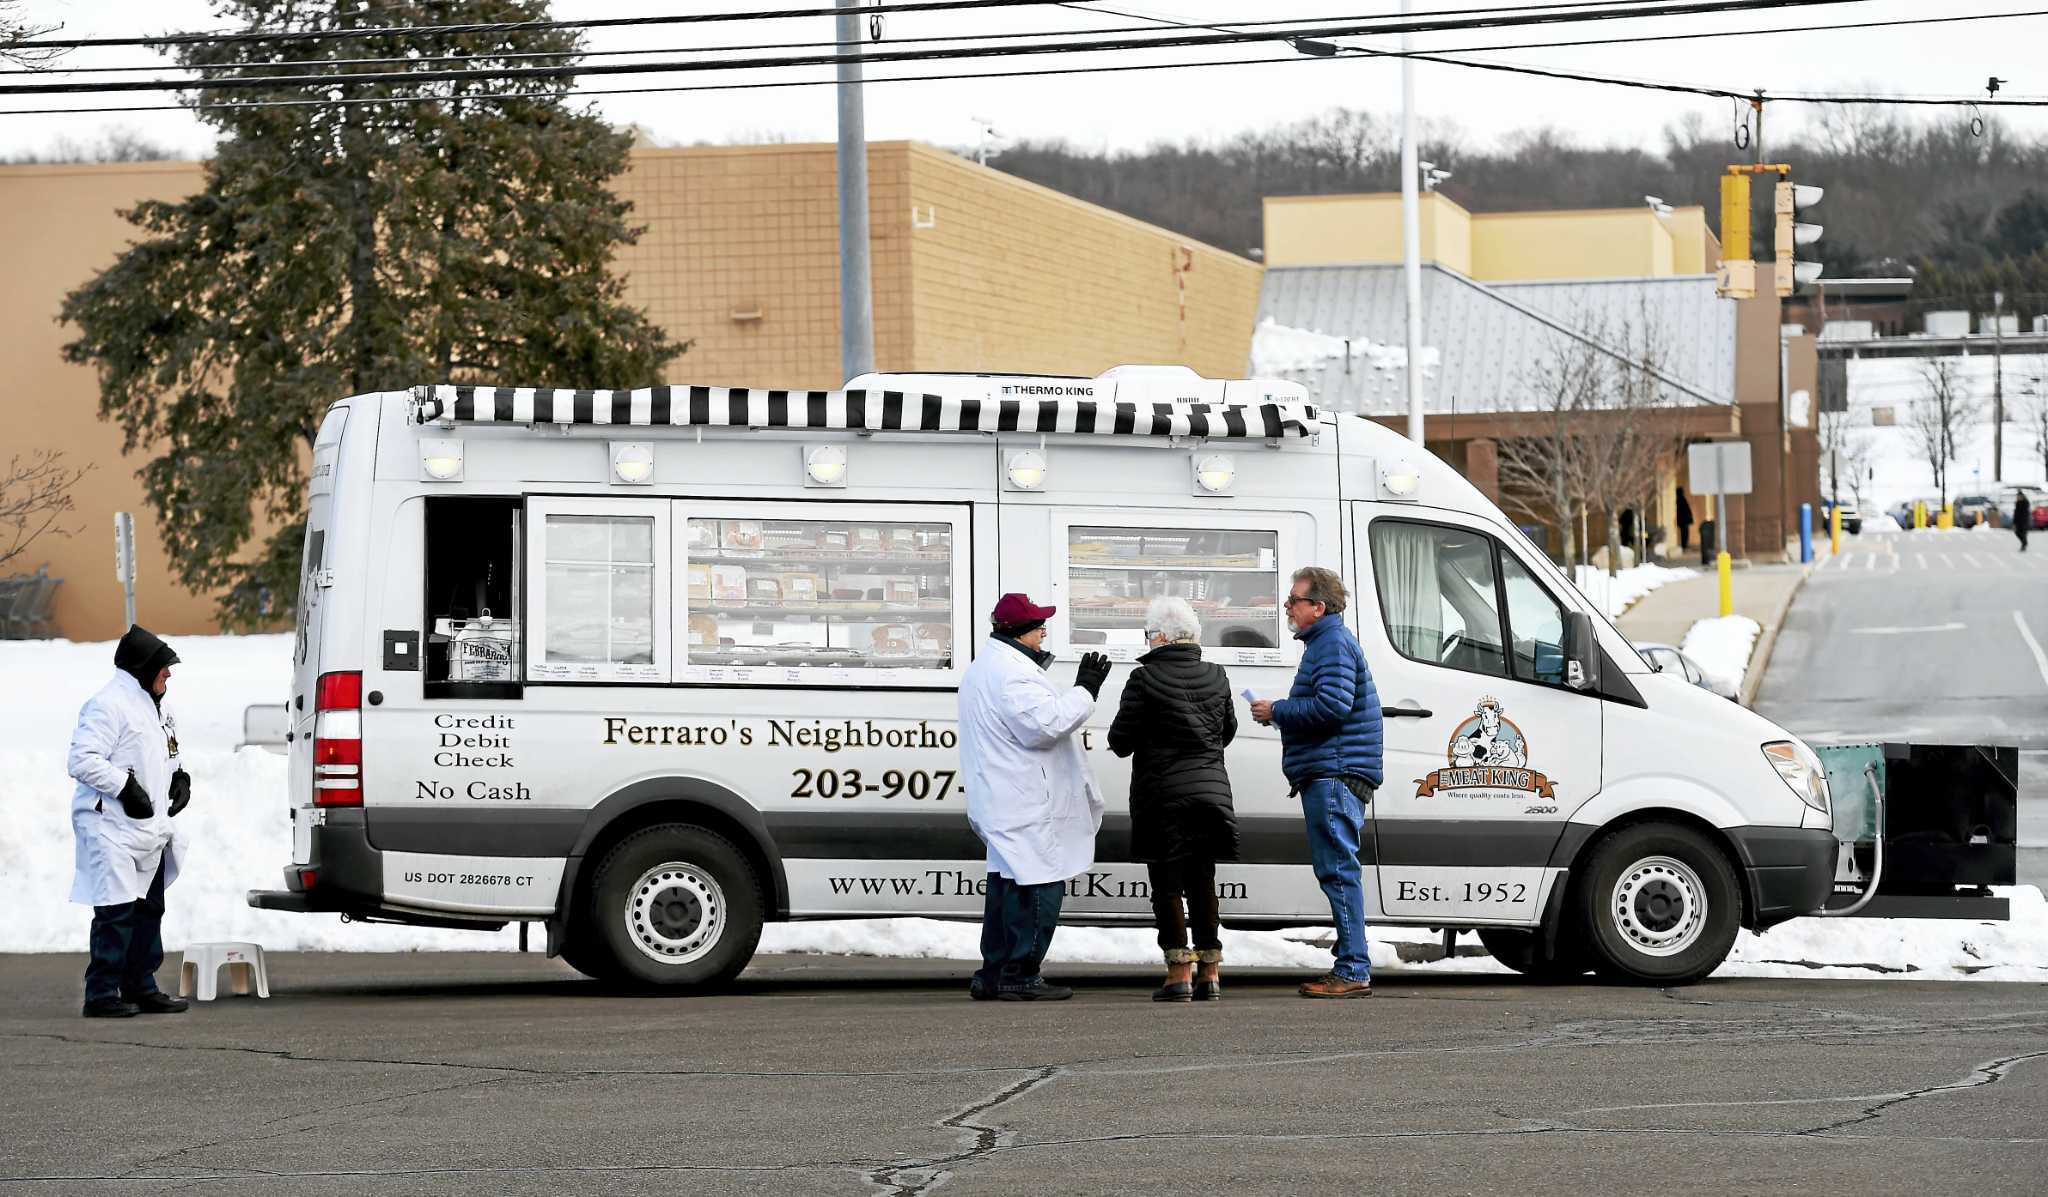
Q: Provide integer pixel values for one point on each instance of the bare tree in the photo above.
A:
(1947, 408)
(35, 493)
(1621, 448)
(1536, 470)
(14, 30)
(2034, 406)
(1845, 456)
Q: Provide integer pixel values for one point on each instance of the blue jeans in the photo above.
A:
(127, 945)
(1017, 922)
(1336, 819)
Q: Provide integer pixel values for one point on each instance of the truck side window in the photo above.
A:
(1230, 577)
(474, 645)
(1535, 625)
(600, 590)
(1437, 595)
(844, 593)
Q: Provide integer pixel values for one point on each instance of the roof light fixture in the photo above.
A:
(441, 459)
(1400, 480)
(1214, 473)
(1025, 470)
(632, 462)
(825, 465)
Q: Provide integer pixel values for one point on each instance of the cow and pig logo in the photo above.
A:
(1488, 757)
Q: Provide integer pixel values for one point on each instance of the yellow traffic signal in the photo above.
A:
(1737, 274)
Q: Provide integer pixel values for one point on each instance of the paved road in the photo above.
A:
(442, 1073)
(1931, 637)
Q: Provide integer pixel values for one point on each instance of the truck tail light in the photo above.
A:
(338, 740)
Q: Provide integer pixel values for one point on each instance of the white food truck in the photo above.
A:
(654, 667)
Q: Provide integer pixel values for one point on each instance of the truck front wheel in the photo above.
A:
(675, 905)
(1662, 903)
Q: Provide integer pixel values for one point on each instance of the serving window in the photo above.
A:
(1231, 576)
(822, 593)
(599, 585)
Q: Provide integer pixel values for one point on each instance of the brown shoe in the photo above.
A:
(1330, 985)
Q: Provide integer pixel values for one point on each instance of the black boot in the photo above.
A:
(111, 1008)
(156, 1001)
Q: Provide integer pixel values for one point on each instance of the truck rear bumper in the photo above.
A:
(1787, 871)
(346, 877)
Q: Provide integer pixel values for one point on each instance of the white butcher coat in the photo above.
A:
(1031, 796)
(120, 730)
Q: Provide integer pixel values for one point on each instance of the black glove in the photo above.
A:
(1093, 672)
(135, 800)
(181, 791)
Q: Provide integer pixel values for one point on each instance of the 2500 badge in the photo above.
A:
(915, 784)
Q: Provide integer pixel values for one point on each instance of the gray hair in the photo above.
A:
(1174, 618)
(1325, 587)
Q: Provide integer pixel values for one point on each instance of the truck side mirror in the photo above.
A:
(1581, 652)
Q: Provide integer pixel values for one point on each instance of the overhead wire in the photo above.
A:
(1626, 39)
(1184, 40)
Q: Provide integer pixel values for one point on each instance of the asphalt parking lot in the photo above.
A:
(444, 1073)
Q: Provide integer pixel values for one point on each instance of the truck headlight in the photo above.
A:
(1801, 770)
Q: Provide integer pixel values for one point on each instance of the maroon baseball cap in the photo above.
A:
(1014, 609)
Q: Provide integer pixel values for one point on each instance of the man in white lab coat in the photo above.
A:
(1031, 796)
(124, 757)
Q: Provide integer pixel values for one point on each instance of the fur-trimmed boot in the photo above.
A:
(1208, 985)
(1179, 964)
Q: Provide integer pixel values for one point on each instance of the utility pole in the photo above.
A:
(856, 296)
(1998, 386)
(1411, 237)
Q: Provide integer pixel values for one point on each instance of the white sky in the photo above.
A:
(1130, 110)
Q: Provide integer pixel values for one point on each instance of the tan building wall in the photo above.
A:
(972, 269)
(1326, 230)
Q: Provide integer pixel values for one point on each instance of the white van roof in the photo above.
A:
(1126, 401)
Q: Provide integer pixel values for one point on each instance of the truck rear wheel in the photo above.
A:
(1523, 951)
(1662, 903)
(675, 905)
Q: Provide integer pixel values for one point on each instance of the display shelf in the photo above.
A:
(769, 657)
(1084, 617)
(1144, 567)
(937, 563)
(877, 613)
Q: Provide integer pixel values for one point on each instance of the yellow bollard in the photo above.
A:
(1919, 515)
(1948, 516)
(1835, 530)
(1723, 567)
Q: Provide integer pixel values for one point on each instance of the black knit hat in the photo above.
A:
(142, 656)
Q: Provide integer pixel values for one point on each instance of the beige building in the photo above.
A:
(972, 270)
(1494, 247)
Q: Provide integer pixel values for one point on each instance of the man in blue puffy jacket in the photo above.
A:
(1331, 742)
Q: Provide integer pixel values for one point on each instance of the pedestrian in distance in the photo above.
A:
(124, 757)
(2022, 518)
(1331, 750)
(1684, 521)
(1031, 796)
(1175, 719)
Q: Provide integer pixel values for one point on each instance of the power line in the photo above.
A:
(1631, 39)
(1180, 41)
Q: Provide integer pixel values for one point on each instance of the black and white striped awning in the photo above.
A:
(869, 410)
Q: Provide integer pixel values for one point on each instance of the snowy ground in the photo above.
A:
(1720, 647)
(1618, 593)
(240, 840)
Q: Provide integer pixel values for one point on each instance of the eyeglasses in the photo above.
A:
(1299, 598)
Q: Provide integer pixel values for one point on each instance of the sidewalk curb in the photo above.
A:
(1760, 657)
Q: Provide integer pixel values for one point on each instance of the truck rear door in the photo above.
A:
(312, 606)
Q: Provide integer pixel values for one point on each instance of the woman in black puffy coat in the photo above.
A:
(1176, 718)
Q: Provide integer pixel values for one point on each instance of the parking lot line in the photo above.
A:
(2033, 645)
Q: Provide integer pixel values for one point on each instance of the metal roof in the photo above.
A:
(1487, 337)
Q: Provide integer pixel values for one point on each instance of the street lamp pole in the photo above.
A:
(1411, 237)
(856, 297)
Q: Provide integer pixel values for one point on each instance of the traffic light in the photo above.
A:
(1790, 199)
(1736, 277)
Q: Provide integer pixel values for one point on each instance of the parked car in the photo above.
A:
(1666, 659)
(1852, 518)
(2037, 496)
(1972, 510)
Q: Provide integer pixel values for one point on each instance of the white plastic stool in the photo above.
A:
(203, 962)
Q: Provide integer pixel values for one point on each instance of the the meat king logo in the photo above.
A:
(1488, 758)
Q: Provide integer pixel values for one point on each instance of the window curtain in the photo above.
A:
(1404, 567)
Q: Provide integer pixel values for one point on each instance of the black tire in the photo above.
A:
(673, 905)
(1661, 902)
(1523, 951)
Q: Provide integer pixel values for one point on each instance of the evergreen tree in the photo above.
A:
(344, 248)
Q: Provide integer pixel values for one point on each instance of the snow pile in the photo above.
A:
(1920, 949)
(1279, 349)
(1720, 647)
(1883, 523)
(1616, 594)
